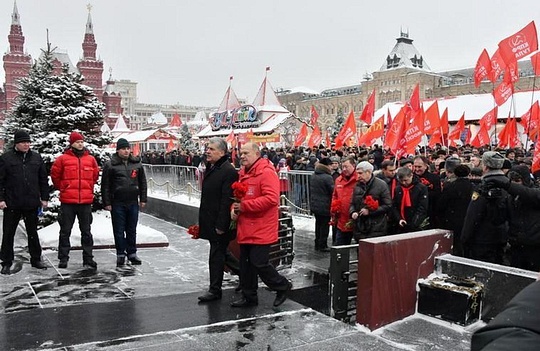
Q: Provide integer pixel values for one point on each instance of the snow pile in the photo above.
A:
(102, 233)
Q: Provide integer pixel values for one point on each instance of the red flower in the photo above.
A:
(426, 183)
(371, 203)
(193, 230)
(239, 190)
(335, 206)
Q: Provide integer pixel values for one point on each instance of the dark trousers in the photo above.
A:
(216, 263)
(322, 228)
(253, 263)
(484, 252)
(9, 227)
(66, 218)
(525, 257)
(124, 222)
(343, 238)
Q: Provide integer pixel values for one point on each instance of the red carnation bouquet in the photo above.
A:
(193, 230)
(426, 183)
(335, 209)
(239, 192)
(371, 203)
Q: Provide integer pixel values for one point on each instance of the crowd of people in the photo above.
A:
(489, 198)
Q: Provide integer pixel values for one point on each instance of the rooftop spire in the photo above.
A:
(89, 26)
(15, 18)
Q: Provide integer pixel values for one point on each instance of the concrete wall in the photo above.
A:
(181, 214)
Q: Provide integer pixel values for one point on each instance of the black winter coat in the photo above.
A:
(453, 204)
(524, 215)
(416, 214)
(320, 191)
(216, 201)
(486, 222)
(123, 182)
(23, 180)
(375, 223)
(517, 327)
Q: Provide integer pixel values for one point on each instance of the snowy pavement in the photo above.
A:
(154, 306)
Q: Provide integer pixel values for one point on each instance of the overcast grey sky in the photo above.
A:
(184, 51)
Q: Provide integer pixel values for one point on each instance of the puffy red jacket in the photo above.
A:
(75, 177)
(259, 209)
(343, 190)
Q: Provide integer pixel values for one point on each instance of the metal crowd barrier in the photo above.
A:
(174, 180)
(343, 281)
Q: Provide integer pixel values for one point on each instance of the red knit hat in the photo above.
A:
(74, 136)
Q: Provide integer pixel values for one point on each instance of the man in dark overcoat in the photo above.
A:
(214, 212)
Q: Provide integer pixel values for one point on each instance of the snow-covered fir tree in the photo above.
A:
(338, 124)
(187, 140)
(50, 107)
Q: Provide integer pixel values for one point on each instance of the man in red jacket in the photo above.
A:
(74, 173)
(257, 216)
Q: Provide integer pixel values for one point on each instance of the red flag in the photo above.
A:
(388, 122)
(302, 135)
(511, 73)
(490, 118)
(347, 131)
(455, 134)
(432, 119)
(531, 120)
(482, 69)
(435, 138)
(376, 130)
(314, 116)
(327, 140)
(413, 134)
(369, 109)
(414, 101)
(508, 135)
(481, 138)
(536, 157)
(535, 59)
(136, 149)
(170, 145)
(230, 137)
(503, 92)
(445, 127)
(519, 44)
(396, 131)
(497, 66)
(316, 137)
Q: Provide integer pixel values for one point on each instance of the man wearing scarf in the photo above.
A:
(74, 173)
(343, 192)
(410, 202)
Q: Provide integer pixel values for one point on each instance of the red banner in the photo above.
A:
(369, 109)
(482, 69)
(520, 44)
(503, 92)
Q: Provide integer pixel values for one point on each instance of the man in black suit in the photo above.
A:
(214, 212)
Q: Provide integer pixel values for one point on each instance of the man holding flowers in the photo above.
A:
(257, 215)
(370, 203)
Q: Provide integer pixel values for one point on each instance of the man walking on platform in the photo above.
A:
(214, 212)
(257, 216)
(23, 189)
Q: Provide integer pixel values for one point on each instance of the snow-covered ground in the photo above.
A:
(102, 233)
